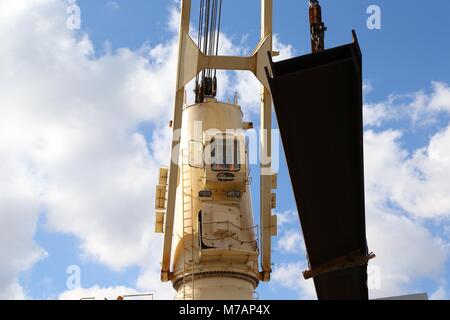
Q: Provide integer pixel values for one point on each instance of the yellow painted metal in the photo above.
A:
(161, 200)
(190, 62)
(274, 200)
(266, 155)
(274, 226)
(223, 243)
(274, 181)
(194, 61)
(159, 221)
(163, 176)
(189, 228)
(174, 168)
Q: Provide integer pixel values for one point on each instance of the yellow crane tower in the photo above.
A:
(211, 247)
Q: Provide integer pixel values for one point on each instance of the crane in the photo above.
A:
(212, 249)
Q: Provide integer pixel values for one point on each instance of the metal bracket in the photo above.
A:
(194, 61)
(354, 259)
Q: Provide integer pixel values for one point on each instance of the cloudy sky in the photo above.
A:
(83, 131)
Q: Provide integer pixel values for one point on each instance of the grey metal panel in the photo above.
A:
(318, 102)
(410, 297)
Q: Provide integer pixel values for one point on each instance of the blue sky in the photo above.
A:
(405, 57)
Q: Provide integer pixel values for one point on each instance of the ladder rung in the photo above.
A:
(188, 225)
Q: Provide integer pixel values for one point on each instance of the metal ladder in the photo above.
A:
(188, 228)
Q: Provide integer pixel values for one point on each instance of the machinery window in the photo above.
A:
(225, 150)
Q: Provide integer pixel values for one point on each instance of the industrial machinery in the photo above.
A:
(211, 245)
(212, 249)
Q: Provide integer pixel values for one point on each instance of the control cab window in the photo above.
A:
(225, 151)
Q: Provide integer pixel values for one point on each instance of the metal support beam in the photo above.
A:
(174, 168)
(326, 163)
(194, 61)
(266, 154)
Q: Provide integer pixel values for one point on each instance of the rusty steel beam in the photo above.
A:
(318, 103)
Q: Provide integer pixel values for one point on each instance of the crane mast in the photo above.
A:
(212, 248)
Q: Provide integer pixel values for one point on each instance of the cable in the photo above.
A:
(199, 37)
(209, 25)
(218, 33)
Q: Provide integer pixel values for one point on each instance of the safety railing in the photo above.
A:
(149, 296)
(180, 295)
(230, 226)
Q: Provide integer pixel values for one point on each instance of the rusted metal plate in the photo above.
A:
(318, 102)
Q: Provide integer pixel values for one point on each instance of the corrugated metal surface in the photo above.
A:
(318, 102)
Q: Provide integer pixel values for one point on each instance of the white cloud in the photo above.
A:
(367, 87)
(376, 114)
(290, 276)
(113, 5)
(287, 218)
(403, 191)
(289, 238)
(286, 50)
(440, 100)
(418, 182)
(439, 294)
(420, 108)
(406, 251)
(70, 144)
(291, 242)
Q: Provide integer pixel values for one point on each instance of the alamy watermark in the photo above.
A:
(374, 19)
(74, 277)
(73, 22)
(228, 147)
(374, 277)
